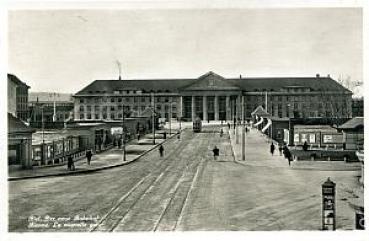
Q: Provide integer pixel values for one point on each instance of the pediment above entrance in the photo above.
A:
(211, 82)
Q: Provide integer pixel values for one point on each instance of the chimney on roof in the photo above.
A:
(240, 76)
(328, 75)
(317, 75)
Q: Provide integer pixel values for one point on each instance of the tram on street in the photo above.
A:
(197, 125)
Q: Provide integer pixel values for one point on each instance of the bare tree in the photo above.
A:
(348, 83)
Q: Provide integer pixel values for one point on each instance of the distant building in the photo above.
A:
(213, 97)
(41, 106)
(358, 107)
(18, 97)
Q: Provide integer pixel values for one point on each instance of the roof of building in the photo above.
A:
(16, 125)
(260, 112)
(247, 84)
(16, 80)
(353, 123)
(49, 97)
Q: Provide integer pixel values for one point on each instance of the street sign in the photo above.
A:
(328, 208)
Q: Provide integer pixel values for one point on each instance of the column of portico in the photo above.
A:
(193, 108)
(216, 108)
(204, 108)
(228, 110)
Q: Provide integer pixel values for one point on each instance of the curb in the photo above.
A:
(72, 173)
(244, 163)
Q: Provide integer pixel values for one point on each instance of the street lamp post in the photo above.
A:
(123, 134)
(153, 116)
(243, 129)
(289, 124)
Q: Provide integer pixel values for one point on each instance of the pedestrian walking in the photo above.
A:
(287, 154)
(178, 135)
(88, 156)
(165, 135)
(70, 163)
(216, 152)
(280, 148)
(229, 125)
(272, 148)
(161, 150)
(119, 143)
(138, 136)
(305, 146)
(221, 132)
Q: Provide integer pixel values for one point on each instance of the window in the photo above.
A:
(81, 100)
(119, 99)
(112, 100)
(97, 116)
(88, 116)
(88, 108)
(81, 116)
(81, 108)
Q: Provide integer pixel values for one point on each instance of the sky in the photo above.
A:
(65, 50)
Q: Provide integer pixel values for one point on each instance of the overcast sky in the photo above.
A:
(64, 50)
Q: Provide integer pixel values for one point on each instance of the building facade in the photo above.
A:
(18, 97)
(358, 107)
(213, 97)
(50, 109)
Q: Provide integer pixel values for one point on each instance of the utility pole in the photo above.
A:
(123, 120)
(123, 133)
(236, 119)
(243, 129)
(153, 116)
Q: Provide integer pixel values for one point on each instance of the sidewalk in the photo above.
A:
(258, 154)
(108, 159)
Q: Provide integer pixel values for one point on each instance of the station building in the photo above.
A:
(213, 97)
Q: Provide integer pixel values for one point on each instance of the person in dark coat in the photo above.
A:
(119, 143)
(287, 155)
(165, 135)
(88, 156)
(305, 146)
(138, 136)
(272, 148)
(70, 163)
(216, 152)
(221, 132)
(280, 148)
(229, 125)
(161, 150)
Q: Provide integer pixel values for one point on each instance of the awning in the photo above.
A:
(259, 122)
(267, 125)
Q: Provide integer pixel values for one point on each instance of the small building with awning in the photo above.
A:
(353, 133)
(19, 143)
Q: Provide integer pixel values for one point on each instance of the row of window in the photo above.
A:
(133, 99)
(89, 116)
(295, 98)
(105, 108)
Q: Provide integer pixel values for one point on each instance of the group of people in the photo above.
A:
(70, 161)
(283, 148)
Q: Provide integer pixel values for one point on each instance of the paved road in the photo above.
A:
(184, 190)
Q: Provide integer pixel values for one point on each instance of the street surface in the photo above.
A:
(184, 190)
